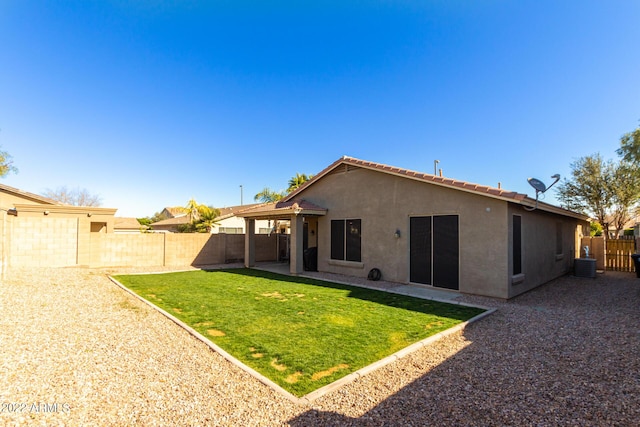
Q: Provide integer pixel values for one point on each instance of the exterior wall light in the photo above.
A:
(397, 234)
(46, 212)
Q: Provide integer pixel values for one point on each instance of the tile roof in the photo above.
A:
(510, 196)
(420, 176)
(285, 208)
(175, 211)
(230, 211)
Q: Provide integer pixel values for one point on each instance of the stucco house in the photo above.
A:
(425, 229)
(170, 225)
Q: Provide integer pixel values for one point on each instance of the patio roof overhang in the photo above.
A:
(282, 210)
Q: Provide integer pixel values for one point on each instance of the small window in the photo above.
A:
(230, 230)
(558, 238)
(346, 240)
(517, 244)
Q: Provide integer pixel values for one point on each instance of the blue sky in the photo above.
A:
(151, 103)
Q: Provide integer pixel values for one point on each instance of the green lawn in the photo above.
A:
(300, 333)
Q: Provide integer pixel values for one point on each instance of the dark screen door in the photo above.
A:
(420, 250)
(434, 251)
(445, 251)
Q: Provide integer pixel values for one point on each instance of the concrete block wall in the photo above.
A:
(65, 241)
(50, 242)
(195, 249)
(174, 249)
(266, 248)
(119, 250)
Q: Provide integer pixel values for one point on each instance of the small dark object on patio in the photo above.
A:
(375, 274)
(310, 259)
(636, 262)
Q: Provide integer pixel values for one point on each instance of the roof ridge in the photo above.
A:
(425, 176)
(412, 174)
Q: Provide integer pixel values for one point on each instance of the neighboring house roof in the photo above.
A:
(174, 212)
(125, 223)
(173, 221)
(347, 163)
(231, 211)
(24, 194)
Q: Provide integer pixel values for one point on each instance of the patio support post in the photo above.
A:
(296, 261)
(249, 242)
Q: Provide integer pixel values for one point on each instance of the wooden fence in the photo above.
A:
(618, 255)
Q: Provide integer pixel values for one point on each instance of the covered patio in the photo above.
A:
(297, 213)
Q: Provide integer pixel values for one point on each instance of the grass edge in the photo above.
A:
(312, 396)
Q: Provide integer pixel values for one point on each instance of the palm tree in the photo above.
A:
(207, 221)
(297, 180)
(267, 195)
(202, 218)
(192, 210)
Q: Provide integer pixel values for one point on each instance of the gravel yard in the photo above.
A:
(77, 350)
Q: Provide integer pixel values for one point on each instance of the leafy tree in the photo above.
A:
(297, 180)
(626, 191)
(596, 229)
(74, 197)
(6, 164)
(268, 195)
(603, 190)
(144, 221)
(630, 147)
(158, 216)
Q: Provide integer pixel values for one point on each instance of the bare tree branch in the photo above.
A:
(74, 197)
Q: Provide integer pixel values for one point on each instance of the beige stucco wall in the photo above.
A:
(540, 260)
(385, 203)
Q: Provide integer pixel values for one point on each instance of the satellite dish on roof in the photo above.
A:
(540, 187)
(537, 184)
